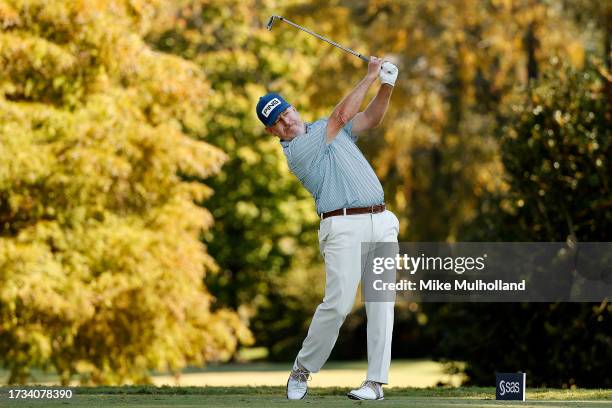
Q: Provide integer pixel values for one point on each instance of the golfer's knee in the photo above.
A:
(338, 309)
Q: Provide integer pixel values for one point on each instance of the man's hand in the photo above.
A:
(388, 73)
(374, 66)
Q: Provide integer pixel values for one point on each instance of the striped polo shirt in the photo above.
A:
(336, 174)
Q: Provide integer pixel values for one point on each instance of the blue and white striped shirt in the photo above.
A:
(336, 174)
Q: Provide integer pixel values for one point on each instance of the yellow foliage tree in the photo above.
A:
(101, 267)
(264, 234)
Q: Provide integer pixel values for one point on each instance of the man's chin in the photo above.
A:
(298, 129)
(293, 133)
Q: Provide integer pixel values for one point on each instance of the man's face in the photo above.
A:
(288, 125)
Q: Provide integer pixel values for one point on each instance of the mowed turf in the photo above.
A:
(226, 397)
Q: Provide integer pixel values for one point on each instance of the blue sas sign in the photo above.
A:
(510, 386)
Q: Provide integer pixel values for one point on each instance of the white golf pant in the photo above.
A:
(340, 241)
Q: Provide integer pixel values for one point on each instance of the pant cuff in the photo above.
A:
(296, 362)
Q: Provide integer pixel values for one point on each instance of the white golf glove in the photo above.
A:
(388, 73)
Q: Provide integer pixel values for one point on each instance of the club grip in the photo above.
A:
(366, 59)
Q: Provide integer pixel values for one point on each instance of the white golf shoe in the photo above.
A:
(369, 390)
(297, 384)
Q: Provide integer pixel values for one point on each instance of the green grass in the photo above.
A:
(403, 373)
(227, 397)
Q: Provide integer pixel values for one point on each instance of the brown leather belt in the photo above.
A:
(352, 211)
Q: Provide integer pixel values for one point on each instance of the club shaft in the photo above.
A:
(320, 37)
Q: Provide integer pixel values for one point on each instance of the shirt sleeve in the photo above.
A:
(348, 128)
(307, 149)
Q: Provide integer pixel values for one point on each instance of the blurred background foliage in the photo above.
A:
(147, 220)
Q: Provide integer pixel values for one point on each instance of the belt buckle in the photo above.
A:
(344, 211)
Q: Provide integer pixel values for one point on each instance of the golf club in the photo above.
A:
(320, 37)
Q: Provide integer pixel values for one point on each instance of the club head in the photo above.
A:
(270, 22)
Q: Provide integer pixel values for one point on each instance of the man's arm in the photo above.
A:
(374, 113)
(348, 108)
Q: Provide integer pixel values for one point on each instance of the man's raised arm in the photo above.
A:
(349, 106)
(374, 113)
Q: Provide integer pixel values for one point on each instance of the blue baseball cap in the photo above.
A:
(269, 107)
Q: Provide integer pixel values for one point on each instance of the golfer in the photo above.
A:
(350, 202)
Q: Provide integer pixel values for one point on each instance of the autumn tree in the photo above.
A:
(264, 236)
(101, 267)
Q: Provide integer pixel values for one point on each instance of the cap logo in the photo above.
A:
(270, 107)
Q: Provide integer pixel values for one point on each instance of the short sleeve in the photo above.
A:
(348, 128)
